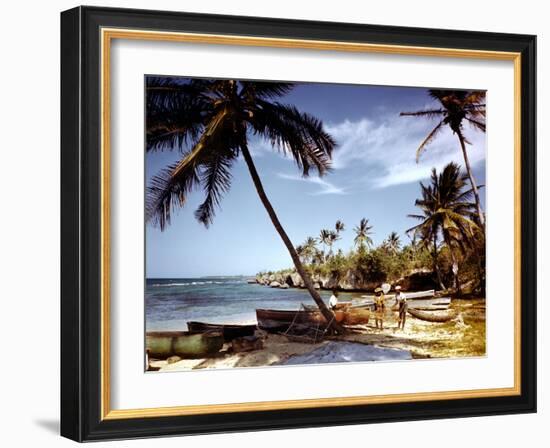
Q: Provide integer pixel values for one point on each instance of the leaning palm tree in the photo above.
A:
(457, 106)
(362, 234)
(446, 211)
(210, 122)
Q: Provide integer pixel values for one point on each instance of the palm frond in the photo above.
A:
(446, 209)
(170, 93)
(168, 136)
(476, 97)
(266, 89)
(466, 196)
(477, 124)
(419, 217)
(212, 137)
(428, 139)
(423, 113)
(215, 179)
(294, 132)
(418, 227)
(166, 130)
(171, 186)
(166, 191)
(448, 97)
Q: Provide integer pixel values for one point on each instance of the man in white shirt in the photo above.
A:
(333, 301)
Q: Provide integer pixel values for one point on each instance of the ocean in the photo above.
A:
(171, 302)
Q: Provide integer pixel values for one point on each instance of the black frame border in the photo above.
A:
(81, 223)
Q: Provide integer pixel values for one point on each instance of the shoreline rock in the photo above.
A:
(352, 281)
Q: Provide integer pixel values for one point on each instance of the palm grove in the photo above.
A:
(210, 121)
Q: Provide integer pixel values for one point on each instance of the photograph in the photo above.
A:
(302, 223)
(273, 222)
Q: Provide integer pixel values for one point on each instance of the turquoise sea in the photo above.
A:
(171, 302)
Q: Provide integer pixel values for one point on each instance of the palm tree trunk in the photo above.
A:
(436, 268)
(329, 316)
(456, 280)
(472, 180)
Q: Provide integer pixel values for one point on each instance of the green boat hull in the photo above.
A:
(164, 344)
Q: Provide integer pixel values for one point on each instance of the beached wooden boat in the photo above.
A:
(357, 316)
(339, 313)
(424, 303)
(229, 331)
(410, 295)
(281, 320)
(427, 308)
(433, 316)
(163, 344)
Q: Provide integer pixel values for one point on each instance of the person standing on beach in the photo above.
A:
(401, 302)
(379, 308)
(333, 301)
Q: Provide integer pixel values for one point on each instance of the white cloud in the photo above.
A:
(387, 148)
(326, 187)
(260, 146)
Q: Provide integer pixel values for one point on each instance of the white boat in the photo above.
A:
(420, 299)
(409, 295)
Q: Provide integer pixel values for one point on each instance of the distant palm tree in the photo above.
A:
(393, 243)
(325, 239)
(457, 106)
(413, 243)
(300, 250)
(339, 227)
(309, 247)
(332, 238)
(446, 211)
(214, 119)
(318, 257)
(362, 234)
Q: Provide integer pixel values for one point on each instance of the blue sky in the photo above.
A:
(374, 176)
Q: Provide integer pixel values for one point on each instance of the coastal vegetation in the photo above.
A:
(445, 249)
(446, 214)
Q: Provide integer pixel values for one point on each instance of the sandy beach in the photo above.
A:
(461, 337)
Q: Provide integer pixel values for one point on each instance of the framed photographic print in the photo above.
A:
(275, 224)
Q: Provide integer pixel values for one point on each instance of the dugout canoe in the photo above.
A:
(433, 316)
(163, 344)
(281, 320)
(229, 331)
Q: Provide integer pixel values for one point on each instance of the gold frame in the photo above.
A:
(107, 35)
